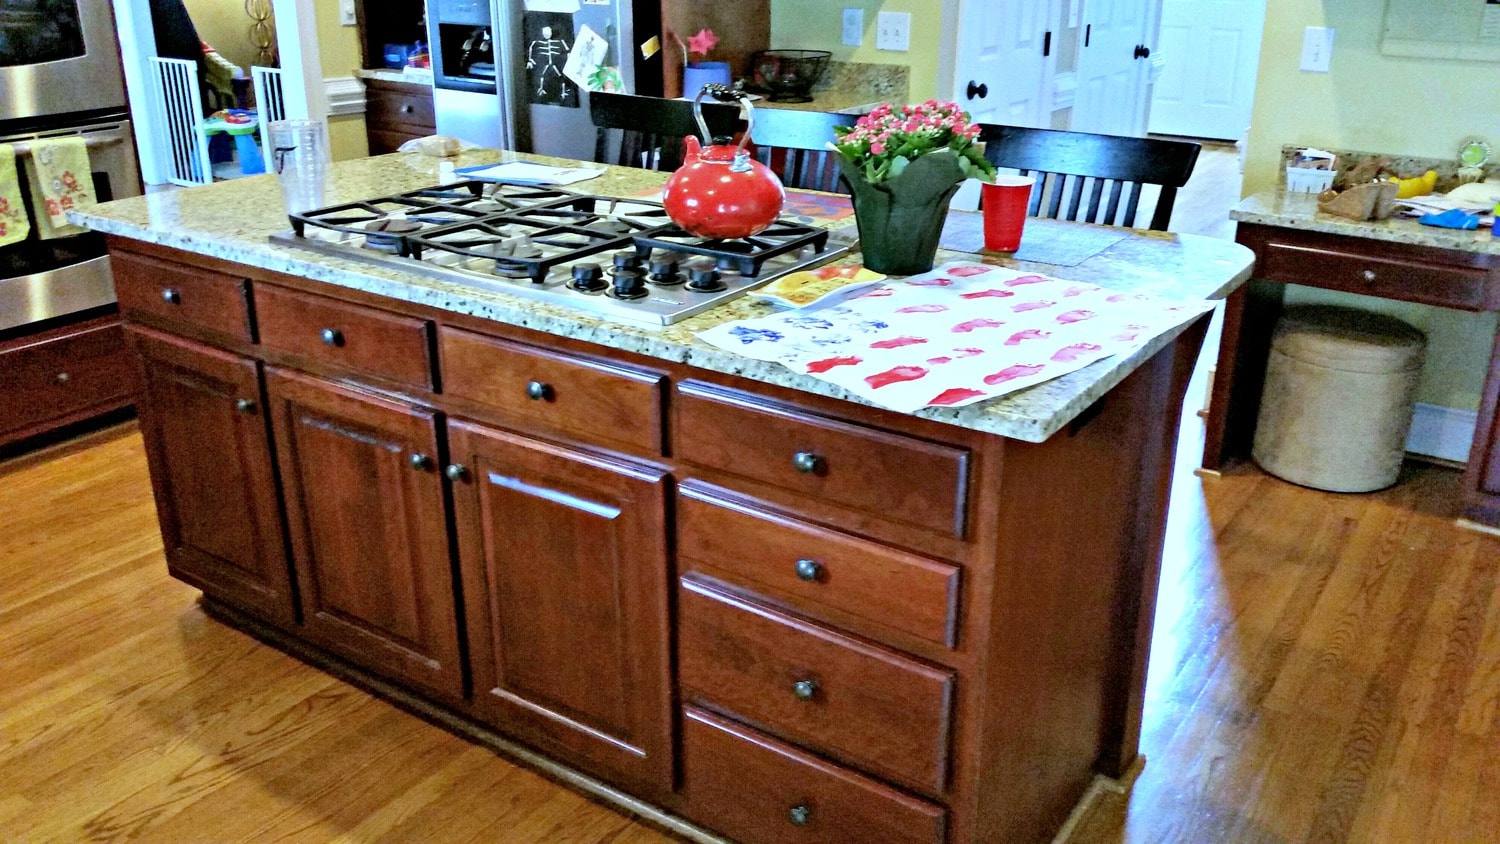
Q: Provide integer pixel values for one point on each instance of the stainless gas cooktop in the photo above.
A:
(620, 259)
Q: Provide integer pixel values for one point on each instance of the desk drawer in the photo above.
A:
(597, 400)
(756, 789)
(398, 105)
(179, 296)
(894, 477)
(346, 336)
(819, 569)
(1443, 285)
(868, 706)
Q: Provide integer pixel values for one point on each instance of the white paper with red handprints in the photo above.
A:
(963, 333)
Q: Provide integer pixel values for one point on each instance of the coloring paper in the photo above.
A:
(589, 52)
(963, 333)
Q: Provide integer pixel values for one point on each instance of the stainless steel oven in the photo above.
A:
(57, 57)
(41, 280)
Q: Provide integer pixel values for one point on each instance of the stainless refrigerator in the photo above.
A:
(502, 75)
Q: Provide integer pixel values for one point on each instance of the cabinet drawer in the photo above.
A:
(819, 568)
(346, 336)
(865, 705)
(179, 296)
(63, 375)
(597, 400)
(389, 105)
(897, 478)
(756, 789)
(1443, 285)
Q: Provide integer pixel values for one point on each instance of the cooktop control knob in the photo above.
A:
(704, 280)
(664, 272)
(625, 261)
(629, 284)
(588, 277)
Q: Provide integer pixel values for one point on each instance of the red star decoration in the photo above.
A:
(702, 42)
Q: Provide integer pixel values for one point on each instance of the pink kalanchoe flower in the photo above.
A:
(878, 148)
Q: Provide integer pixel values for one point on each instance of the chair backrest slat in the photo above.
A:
(651, 129)
(794, 144)
(1125, 161)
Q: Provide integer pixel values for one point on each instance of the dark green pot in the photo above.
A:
(901, 219)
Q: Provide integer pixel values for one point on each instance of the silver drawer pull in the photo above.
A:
(1368, 275)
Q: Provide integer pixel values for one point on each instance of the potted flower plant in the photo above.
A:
(903, 165)
(696, 74)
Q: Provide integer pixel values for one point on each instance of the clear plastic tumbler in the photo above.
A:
(299, 157)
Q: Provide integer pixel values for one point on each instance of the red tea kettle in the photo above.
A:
(720, 191)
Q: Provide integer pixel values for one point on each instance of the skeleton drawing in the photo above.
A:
(545, 57)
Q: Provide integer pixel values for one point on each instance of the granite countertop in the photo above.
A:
(1300, 211)
(232, 220)
(419, 77)
(854, 88)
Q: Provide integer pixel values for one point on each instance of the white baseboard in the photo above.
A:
(346, 95)
(1443, 432)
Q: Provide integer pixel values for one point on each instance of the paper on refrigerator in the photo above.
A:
(963, 333)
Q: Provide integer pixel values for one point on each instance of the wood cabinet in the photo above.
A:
(397, 112)
(781, 616)
(62, 375)
(365, 512)
(210, 456)
(566, 580)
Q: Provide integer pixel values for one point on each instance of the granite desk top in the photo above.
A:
(417, 77)
(232, 220)
(1300, 211)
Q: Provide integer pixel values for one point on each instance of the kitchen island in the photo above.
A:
(698, 586)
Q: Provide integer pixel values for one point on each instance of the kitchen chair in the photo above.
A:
(1063, 162)
(650, 129)
(794, 144)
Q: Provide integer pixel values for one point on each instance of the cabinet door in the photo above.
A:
(565, 576)
(210, 458)
(364, 505)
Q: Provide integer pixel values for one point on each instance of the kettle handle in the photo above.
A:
(725, 94)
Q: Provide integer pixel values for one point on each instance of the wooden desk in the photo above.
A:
(1396, 259)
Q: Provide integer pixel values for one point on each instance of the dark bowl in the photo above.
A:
(788, 75)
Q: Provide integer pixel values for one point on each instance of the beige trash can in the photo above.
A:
(1340, 387)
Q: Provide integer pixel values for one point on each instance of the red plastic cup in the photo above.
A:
(1004, 204)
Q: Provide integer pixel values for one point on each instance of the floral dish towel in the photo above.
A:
(962, 333)
(13, 223)
(61, 180)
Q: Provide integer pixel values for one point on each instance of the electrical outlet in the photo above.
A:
(1317, 48)
(346, 13)
(853, 27)
(893, 31)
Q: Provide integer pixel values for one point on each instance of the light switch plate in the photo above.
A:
(346, 13)
(1317, 49)
(853, 27)
(893, 31)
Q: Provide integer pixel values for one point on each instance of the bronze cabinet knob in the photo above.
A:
(171, 297)
(332, 337)
(421, 462)
(537, 391)
(456, 472)
(809, 569)
(807, 462)
(244, 405)
(799, 815)
(805, 689)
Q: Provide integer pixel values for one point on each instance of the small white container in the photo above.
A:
(1308, 180)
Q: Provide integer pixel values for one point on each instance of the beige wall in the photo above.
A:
(338, 47)
(226, 27)
(815, 25)
(1400, 106)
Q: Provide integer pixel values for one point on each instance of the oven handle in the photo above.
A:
(23, 148)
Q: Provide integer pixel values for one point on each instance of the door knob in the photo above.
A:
(537, 391)
(980, 90)
(1142, 51)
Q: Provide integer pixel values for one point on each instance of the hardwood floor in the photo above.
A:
(1325, 668)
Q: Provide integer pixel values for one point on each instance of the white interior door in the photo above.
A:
(1000, 73)
(1212, 52)
(1113, 75)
